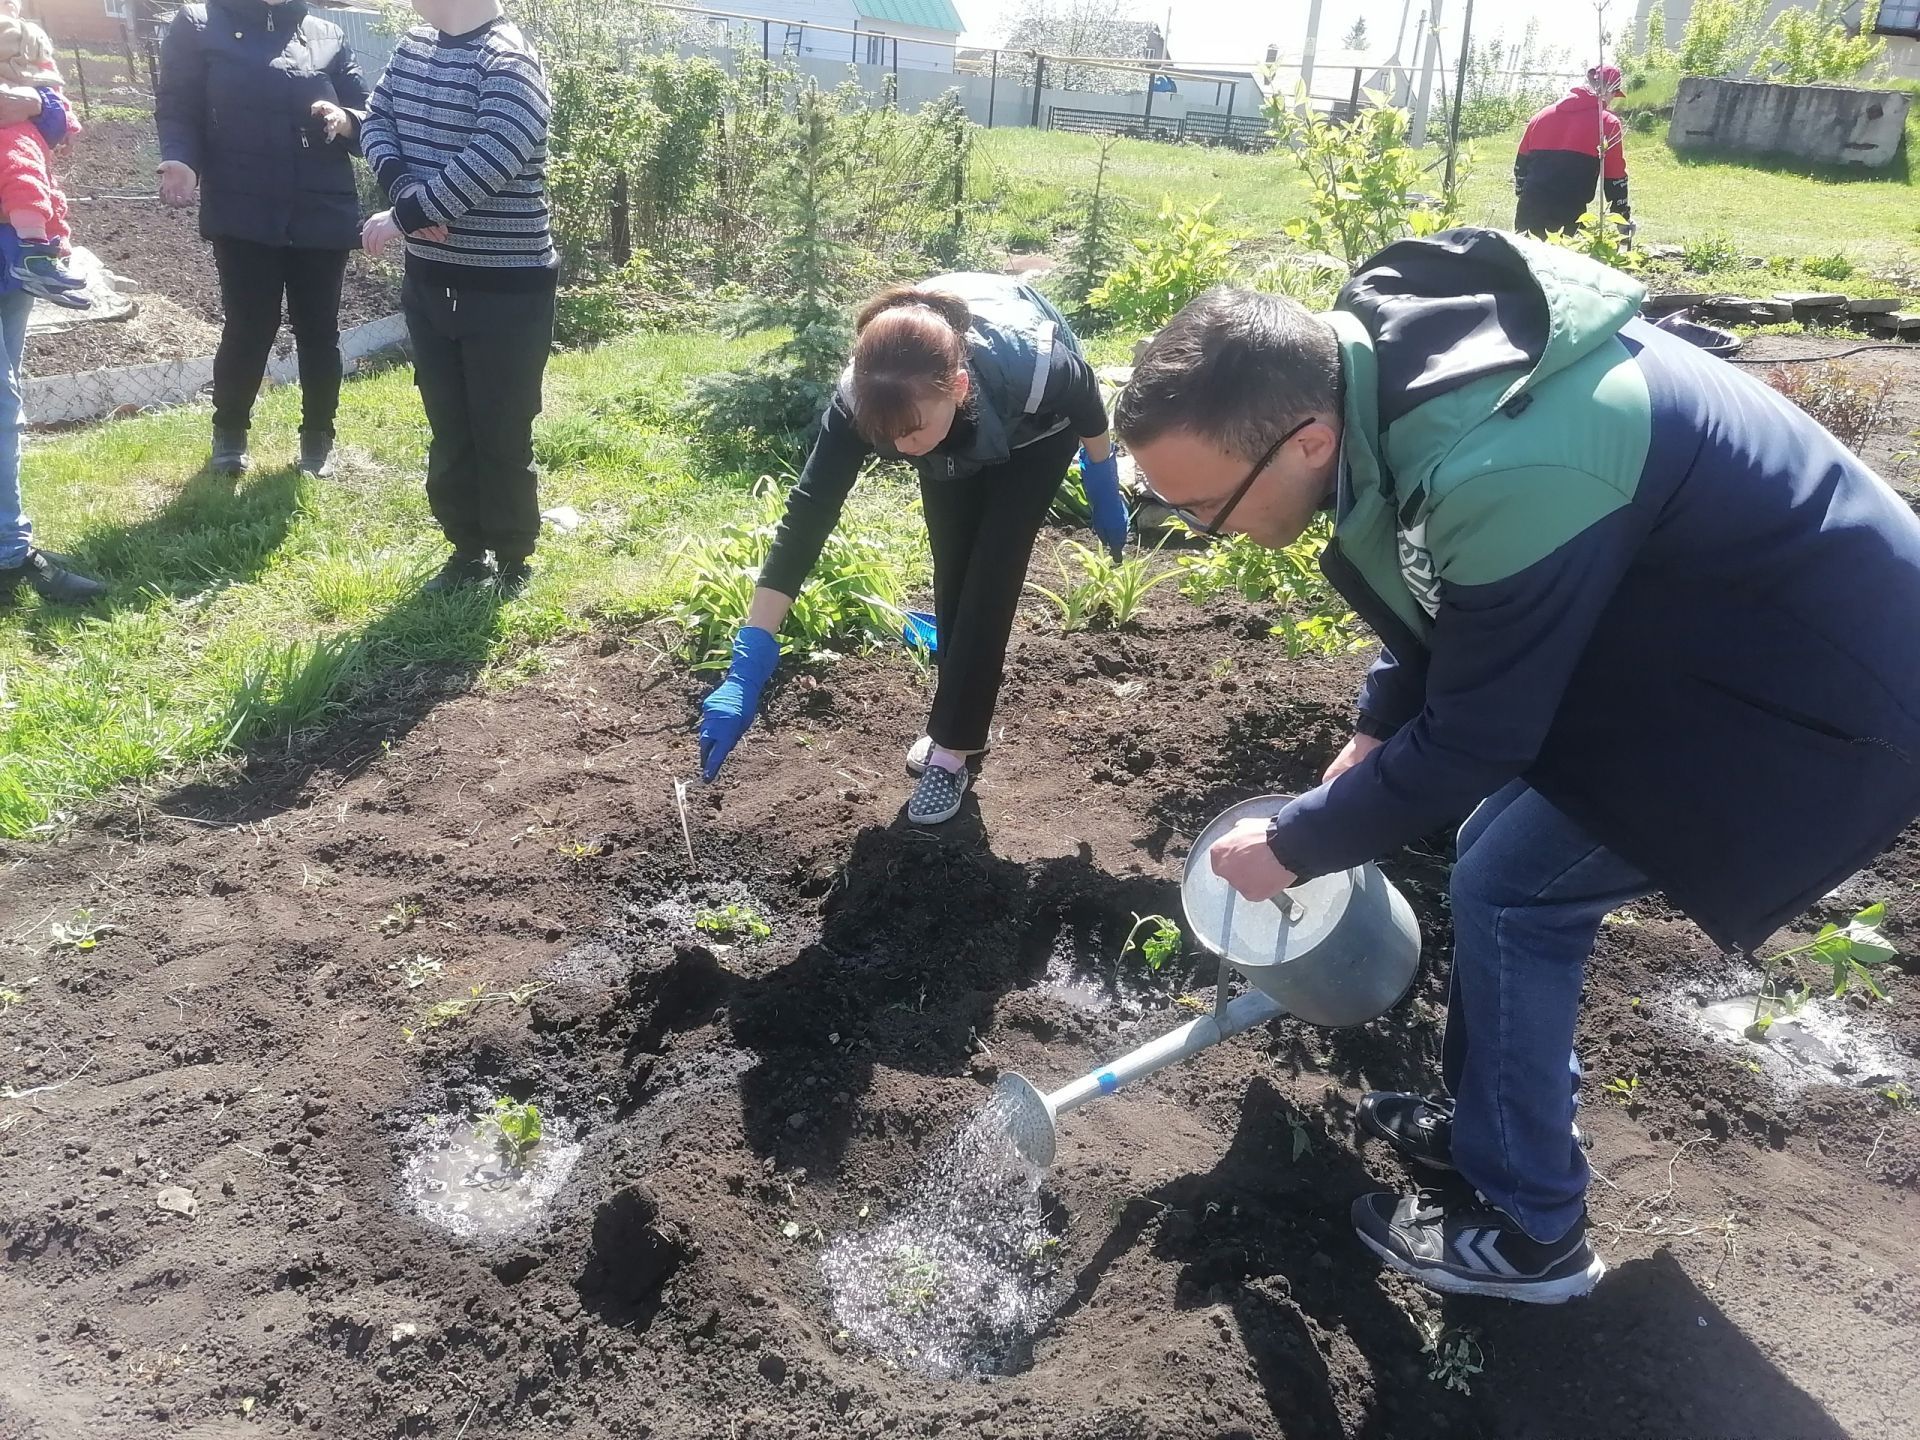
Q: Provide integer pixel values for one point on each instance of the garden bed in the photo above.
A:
(242, 1032)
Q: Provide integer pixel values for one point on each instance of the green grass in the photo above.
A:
(1033, 177)
(1766, 208)
(247, 613)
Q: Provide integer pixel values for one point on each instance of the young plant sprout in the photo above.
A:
(916, 1279)
(519, 1127)
(731, 922)
(82, 932)
(1848, 951)
(1161, 944)
(1625, 1091)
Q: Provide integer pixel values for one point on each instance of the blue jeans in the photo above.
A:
(1529, 890)
(16, 531)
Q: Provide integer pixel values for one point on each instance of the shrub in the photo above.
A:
(1848, 400)
(1808, 47)
(1722, 37)
(1834, 267)
(1607, 242)
(1705, 254)
(1184, 254)
(1362, 176)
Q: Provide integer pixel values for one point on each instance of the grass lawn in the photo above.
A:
(242, 613)
(1764, 209)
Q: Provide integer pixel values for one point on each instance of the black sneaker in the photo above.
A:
(1453, 1241)
(464, 568)
(53, 582)
(1418, 1127)
(229, 455)
(316, 453)
(938, 795)
(511, 578)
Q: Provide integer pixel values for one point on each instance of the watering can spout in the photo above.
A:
(1026, 1117)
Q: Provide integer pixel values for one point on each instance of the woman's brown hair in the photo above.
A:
(908, 345)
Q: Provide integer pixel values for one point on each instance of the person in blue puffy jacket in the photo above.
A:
(978, 382)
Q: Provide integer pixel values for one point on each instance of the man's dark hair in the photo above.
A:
(1237, 368)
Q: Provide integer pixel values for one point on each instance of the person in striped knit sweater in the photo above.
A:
(456, 132)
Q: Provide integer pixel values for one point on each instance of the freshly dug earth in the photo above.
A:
(108, 176)
(240, 1034)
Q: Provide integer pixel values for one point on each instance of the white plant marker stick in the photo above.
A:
(680, 799)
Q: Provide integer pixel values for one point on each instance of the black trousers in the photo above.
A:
(478, 359)
(253, 278)
(982, 532)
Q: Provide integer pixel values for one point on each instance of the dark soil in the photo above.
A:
(241, 1034)
(108, 176)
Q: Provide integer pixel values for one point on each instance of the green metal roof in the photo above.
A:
(927, 14)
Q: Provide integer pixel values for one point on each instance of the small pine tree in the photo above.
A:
(770, 412)
(1356, 38)
(1098, 247)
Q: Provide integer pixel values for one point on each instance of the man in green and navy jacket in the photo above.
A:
(1646, 620)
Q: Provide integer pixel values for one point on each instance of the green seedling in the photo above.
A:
(519, 1127)
(1455, 1353)
(400, 918)
(1848, 951)
(11, 998)
(1625, 1091)
(916, 1279)
(1899, 1094)
(1302, 1137)
(732, 922)
(82, 932)
(416, 972)
(1161, 944)
(445, 1012)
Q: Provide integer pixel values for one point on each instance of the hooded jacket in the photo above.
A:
(238, 79)
(1559, 162)
(1621, 569)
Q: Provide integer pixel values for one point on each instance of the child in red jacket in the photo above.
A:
(29, 200)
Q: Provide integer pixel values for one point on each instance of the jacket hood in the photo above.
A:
(1453, 308)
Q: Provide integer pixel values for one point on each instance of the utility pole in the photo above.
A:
(1423, 100)
(1459, 95)
(1313, 43)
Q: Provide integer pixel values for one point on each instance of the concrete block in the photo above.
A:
(1828, 124)
(1873, 306)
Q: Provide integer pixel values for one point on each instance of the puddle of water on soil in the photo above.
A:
(459, 1180)
(1812, 1046)
(962, 1276)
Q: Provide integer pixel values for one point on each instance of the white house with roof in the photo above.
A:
(917, 34)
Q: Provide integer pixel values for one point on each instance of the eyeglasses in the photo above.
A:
(1210, 529)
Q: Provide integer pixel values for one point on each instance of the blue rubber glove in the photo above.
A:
(728, 711)
(55, 119)
(1101, 479)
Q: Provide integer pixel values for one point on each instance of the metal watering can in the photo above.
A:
(1338, 950)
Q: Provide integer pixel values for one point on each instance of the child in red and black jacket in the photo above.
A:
(1561, 156)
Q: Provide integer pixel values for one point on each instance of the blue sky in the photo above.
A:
(1241, 30)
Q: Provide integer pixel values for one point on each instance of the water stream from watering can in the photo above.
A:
(961, 1276)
